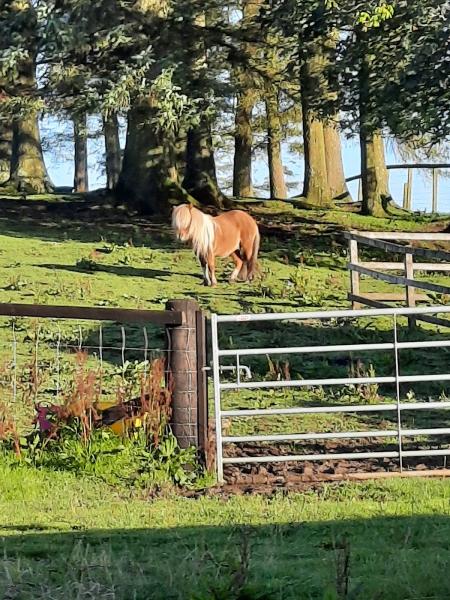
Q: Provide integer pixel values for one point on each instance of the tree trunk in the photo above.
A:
(5, 151)
(316, 189)
(112, 149)
(200, 179)
(243, 137)
(243, 140)
(146, 180)
(28, 170)
(276, 172)
(375, 178)
(81, 177)
(374, 175)
(335, 167)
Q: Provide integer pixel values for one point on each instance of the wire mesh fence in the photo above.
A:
(52, 362)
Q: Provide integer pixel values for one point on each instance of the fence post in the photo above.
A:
(354, 275)
(410, 290)
(407, 191)
(184, 358)
(405, 196)
(410, 185)
(434, 198)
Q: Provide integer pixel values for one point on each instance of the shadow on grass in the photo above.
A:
(116, 270)
(80, 220)
(386, 557)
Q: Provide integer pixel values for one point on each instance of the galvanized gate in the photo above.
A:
(223, 383)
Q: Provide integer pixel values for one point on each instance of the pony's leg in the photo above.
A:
(238, 265)
(212, 269)
(204, 263)
(247, 249)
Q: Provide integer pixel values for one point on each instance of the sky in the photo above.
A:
(58, 153)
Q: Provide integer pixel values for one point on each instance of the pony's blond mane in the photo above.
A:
(193, 226)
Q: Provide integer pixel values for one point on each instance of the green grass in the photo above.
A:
(67, 537)
(70, 536)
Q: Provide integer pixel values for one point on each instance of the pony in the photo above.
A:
(233, 233)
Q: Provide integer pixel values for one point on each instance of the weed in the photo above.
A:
(368, 392)
(16, 283)
(87, 264)
(8, 428)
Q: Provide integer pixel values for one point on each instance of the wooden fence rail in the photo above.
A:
(376, 269)
(435, 169)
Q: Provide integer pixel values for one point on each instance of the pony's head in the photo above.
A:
(181, 221)
(191, 225)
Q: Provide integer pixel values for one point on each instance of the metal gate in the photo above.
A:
(223, 382)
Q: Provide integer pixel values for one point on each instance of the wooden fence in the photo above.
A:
(408, 266)
(184, 323)
(435, 169)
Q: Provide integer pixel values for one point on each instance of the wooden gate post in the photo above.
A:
(185, 346)
(410, 290)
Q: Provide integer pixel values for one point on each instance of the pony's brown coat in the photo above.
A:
(234, 233)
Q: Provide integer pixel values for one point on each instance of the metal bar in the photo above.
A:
(244, 368)
(332, 314)
(292, 437)
(338, 456)
(202, 384)
(397, 393)
(217, 407)
(58, 364)
(121, 315)
(306, 349)
(14, 363)
(263, 412)
(307, 382)
(335, 381)
(336, 435)
(124, 343)
(241, 460)
(145, 352)
(338, 348)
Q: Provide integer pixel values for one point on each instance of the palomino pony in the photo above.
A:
(233, 233)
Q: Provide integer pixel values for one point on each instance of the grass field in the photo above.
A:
(68, 536)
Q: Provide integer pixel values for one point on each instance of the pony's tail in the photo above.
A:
(253, 261)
